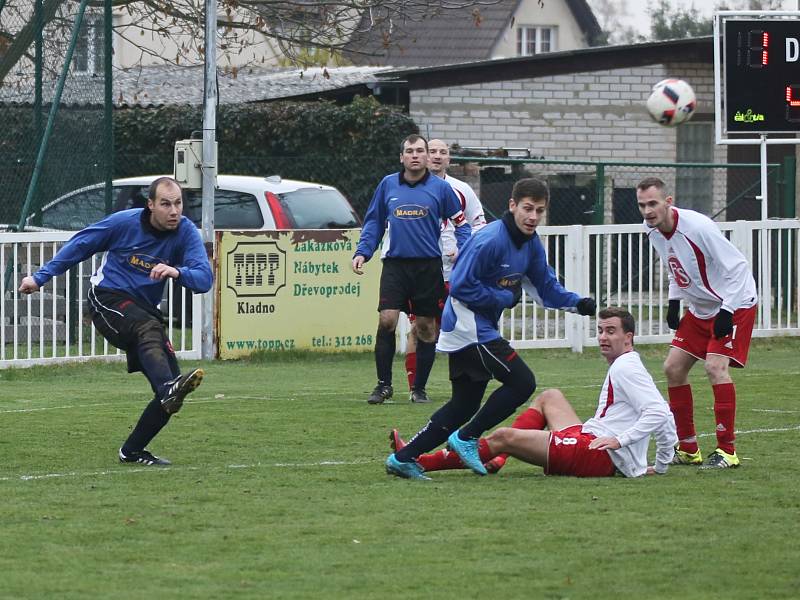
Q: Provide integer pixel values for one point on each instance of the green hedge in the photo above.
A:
(350, 146)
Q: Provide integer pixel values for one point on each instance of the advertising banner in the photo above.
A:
(294, 290)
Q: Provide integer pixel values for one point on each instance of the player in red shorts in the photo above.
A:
(714, 280)
(616, 439)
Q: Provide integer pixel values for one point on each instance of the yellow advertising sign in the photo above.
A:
(286, 290)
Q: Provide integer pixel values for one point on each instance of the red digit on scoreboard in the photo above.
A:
(793, 103)
(757, 49)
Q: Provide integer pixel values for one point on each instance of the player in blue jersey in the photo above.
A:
(143, 248)
(412, 204)
(488, 278)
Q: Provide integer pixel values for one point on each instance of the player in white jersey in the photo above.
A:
(714, 280)
(630, 410)
(438, 162)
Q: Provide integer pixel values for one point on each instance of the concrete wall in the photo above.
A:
(597, 116)
(582, 116)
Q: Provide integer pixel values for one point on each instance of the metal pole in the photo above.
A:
(108, 52)
(764, 252)
(208, 350)
(764, 182)
(37, 169)
(37, 99)
(598, 214)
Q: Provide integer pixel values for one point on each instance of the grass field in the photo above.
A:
(278, 491)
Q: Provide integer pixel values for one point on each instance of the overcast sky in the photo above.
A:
(640, 20)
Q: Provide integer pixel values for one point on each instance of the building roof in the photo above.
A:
(601, 58)
(452, 36)
(170, 84)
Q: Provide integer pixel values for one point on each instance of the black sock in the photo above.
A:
(426, 439)
(384, 355)
(465, 401)
(426, 354)
(502, 403)
(150, 423)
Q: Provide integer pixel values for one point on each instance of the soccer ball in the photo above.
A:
(671, 102)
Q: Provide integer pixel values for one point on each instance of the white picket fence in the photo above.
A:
(613, 263)
(616, 265)
(52, 325)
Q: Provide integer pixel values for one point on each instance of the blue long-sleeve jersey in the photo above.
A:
(490, 264)
(132, 248)
(414, 212)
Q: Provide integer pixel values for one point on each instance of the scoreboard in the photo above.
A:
(762, 75)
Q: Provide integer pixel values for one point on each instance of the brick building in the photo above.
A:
(588, 105)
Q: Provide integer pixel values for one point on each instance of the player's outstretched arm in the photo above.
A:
(28, 285)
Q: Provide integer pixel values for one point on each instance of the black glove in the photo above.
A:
(516, 289)
(723, 324)
(586, 306)
(673, 314)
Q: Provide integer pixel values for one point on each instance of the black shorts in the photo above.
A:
(482, 362)
(412, 284)
(115, 315)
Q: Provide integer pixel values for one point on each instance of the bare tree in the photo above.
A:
(611, 14)
(292, 27)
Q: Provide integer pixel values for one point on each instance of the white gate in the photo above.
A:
(52, 325)
(613, 263)
(616, 265)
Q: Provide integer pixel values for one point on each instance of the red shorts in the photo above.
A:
(695, 336)
(569, 454)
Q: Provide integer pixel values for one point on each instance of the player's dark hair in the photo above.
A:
(649, 182)
(412, 139)
(153, 189)
(626, 318)
(530, 187)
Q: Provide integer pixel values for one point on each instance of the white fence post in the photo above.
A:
(575, 251)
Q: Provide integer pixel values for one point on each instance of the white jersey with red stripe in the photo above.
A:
(631, 409)
(705, 269)
(473, 212)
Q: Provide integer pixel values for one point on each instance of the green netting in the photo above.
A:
(77, 149)
(587, 193)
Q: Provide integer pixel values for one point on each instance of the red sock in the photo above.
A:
(725, 415)
(682, 406)
(531, 418)
(411, 368)
(444, 459)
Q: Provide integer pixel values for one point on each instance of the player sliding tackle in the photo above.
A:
(629, 410)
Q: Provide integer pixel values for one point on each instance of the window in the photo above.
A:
(693, 186)
(318, 209)
(75, 212)
(535, 40)
(232, 210)
(88, 56)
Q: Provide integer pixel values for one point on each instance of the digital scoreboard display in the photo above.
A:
(762, 75)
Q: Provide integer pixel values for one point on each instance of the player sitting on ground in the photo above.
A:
(616, 439)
